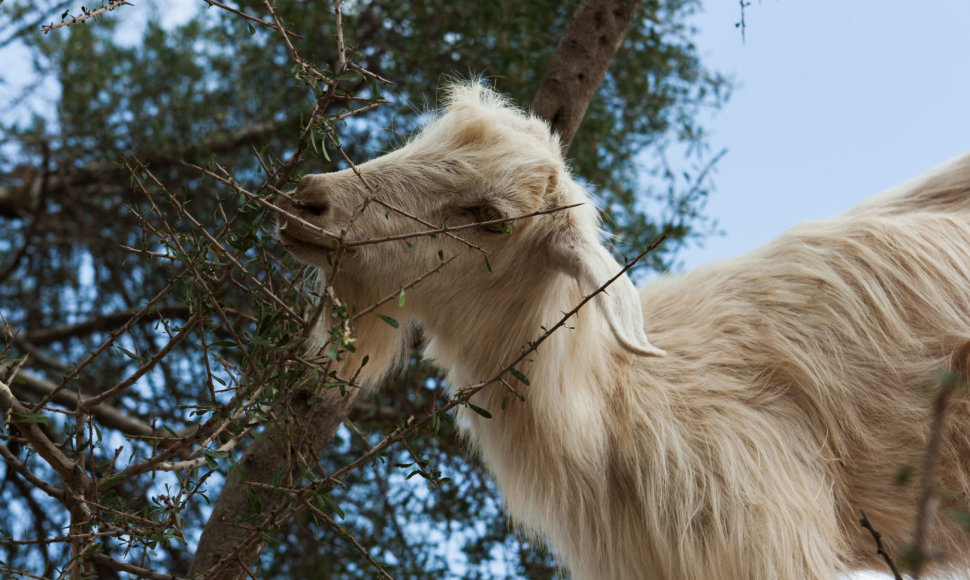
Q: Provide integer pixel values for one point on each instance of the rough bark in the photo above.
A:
(580, 62)
(228, 548)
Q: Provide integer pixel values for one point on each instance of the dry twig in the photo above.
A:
(86, 15)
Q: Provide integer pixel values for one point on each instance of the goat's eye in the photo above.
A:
(487, 213)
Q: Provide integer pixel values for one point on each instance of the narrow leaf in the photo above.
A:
(522, 378)
(389, 320)
(30, 418)
(480, 411)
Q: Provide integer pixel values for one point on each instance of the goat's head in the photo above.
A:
(476, 171)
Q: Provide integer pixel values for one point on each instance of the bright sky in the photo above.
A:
(836, 100)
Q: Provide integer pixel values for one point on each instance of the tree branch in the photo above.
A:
(87, 15)
(105, 322)
(106, 415)
(226, 549)
(27, 424)
(15, 201)
(580, 62)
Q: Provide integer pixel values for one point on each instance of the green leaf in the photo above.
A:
(30, 418)
(959, 517)
(904, 475)
(128, 353)
(488, 264)
(278, 477)
(480, 411)
(324, 496)
(212, 457)
(400, 298)
(522, 378)
(389, 320)
(110, 481)
(347, 75)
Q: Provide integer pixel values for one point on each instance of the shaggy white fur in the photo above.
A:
(793, 387)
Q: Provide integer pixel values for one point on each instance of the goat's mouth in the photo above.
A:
(300, 232)
(298, 240)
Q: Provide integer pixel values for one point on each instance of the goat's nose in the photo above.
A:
(310, 198)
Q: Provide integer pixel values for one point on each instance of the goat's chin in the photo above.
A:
(310, 253)
(306, 253)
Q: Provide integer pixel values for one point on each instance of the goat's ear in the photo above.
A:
(592, 266)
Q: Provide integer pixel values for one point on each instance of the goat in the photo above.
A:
(793, 387)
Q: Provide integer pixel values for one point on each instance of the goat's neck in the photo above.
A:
(568, 382)
(373, 348)
(538, 450)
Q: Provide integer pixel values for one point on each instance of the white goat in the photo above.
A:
(796, 384)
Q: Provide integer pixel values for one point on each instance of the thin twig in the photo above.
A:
(343, 531)
(742, 25)
(105, 345)
(368, 73)
(880, 549)
(87, 15)
(407, 286)
(447, 229)
(341, 50)
(227, 8)
(136, 571)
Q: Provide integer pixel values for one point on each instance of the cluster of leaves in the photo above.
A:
(140, 274)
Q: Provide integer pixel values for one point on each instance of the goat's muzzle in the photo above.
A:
(310, 200)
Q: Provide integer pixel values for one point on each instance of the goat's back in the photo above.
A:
(836, 335)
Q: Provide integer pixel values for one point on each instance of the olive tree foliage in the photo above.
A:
(151, 327)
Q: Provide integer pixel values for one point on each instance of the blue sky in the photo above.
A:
(836, 100)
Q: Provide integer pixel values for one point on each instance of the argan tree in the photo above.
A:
(154, 335)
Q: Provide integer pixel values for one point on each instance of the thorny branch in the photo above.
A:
(250, 18)
(86, 14)
(880, 549)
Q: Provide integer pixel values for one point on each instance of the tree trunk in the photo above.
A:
(580, 62)
(301, 430)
